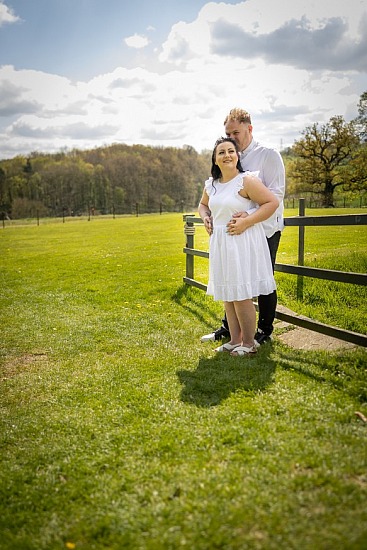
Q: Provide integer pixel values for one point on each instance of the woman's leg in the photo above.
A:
(246, 318)
(233, 323)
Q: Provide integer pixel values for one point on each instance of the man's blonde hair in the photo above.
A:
(238, 114)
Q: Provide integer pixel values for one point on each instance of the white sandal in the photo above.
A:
(240, 351)
(227, 347)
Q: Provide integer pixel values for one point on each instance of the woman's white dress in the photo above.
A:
(239, 265)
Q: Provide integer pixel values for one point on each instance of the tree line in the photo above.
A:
(111, 179)
(328, 161)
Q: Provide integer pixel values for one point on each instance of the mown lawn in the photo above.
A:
(119, 429)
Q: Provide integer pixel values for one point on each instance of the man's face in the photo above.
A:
(241, 132)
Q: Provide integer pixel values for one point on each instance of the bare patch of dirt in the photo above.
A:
(302, 338)
(16, 365)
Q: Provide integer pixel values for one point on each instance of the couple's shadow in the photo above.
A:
(216, 378)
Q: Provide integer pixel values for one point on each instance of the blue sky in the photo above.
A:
(82, 38)
(86, 73)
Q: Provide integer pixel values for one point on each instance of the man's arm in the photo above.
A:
(273, 175)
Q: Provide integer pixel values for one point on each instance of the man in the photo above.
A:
(269, 165)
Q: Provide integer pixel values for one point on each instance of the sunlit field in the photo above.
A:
(120, 429)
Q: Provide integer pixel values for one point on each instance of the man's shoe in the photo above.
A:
(218, 334)
(261, 337)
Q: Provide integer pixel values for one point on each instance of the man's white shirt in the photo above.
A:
(269, 165)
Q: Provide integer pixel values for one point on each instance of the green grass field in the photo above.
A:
(119, 429)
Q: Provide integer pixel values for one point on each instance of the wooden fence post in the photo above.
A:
(189, 231)
(301, 249)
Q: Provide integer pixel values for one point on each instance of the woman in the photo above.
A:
(239, 260)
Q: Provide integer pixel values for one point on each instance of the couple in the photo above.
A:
(242, 209)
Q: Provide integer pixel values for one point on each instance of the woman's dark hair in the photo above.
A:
(215, 170)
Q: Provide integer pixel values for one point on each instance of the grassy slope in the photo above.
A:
(121, 430)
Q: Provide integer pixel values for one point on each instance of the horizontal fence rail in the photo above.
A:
(328, 274)
(300, 270)
(341, 219)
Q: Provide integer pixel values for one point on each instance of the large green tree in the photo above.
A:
(361, 120)
(322, 156)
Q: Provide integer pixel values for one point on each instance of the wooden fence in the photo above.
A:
(300, 221)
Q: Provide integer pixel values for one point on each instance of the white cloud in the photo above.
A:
(7, 15)
(12, 101)
(231, 55)
(139, 106)
(136, 41)
(310, 35)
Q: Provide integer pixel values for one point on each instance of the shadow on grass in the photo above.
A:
(192, 300)
(343, 370)
(216, 378)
